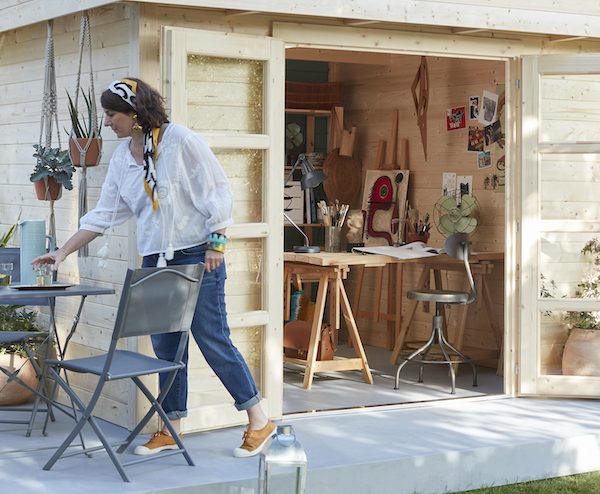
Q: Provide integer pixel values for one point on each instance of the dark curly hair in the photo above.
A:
(149, 105)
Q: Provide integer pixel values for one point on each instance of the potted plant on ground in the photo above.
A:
(16, 318)
(85, 142)
(53, 169)
(581, 356)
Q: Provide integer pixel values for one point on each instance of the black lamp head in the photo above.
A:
(310, 177)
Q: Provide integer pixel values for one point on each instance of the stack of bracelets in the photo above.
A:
(216, 242)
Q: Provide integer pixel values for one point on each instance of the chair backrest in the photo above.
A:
(158, 300)
(457, 245)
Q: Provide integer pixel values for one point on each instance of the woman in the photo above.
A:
(168, 178)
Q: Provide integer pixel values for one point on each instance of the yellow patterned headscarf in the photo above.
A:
(126, 89)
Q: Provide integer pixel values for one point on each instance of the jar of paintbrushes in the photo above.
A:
(334, 216)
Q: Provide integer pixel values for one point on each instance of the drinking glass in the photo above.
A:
(6, 269)
(43, 275)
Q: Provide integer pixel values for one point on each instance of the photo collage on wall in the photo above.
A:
(486, 136)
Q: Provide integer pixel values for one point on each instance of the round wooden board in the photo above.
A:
(344, 178)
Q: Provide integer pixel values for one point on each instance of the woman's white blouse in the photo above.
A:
(194, 195)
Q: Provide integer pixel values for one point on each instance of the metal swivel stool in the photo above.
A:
(457, 246)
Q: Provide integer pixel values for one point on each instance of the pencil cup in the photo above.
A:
(414, 237)
(333, 238)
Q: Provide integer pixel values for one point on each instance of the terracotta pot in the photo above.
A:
(92, 155)
(581, 356)
(13, 394)
(48, 190)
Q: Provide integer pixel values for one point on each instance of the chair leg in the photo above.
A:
(446, 348)
(156, 406)
(86, 417)
(465, 359)
(426, 346)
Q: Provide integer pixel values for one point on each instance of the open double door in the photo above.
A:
(229, 87)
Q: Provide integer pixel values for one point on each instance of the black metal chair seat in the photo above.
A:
(124, 364)
(14, 337)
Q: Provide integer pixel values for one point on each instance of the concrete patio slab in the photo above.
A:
(445, 447)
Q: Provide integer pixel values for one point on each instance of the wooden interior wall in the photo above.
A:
(371, 93)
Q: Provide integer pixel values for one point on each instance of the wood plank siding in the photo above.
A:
(22, 54)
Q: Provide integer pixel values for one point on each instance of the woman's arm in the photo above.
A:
(81, 238)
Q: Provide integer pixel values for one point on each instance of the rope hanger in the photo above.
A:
(49, 115)
(85, 38)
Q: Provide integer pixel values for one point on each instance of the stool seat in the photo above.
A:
(441, 296)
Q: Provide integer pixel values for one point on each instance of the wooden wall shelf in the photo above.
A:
(314, 113)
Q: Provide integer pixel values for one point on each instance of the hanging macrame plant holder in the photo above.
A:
(85, 151)
(49, 116)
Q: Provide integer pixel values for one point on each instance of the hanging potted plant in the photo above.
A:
(85, 143)
(52, 170)
(581, 356)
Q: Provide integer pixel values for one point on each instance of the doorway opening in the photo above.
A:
(465, 149)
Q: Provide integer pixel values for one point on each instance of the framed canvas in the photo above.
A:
(384, 206)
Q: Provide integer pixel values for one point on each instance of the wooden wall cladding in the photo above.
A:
(371, 93)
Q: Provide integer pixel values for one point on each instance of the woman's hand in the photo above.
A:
(54, 258)
(212, 260)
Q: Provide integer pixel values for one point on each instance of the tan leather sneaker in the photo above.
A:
(160, 441)
(255, 441)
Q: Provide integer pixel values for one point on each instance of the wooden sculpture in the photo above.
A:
(421, 102)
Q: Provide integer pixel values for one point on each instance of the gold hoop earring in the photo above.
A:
(136, 126)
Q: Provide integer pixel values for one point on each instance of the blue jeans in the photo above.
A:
(212, 335)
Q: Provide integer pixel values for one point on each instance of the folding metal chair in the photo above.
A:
(25, 339)
(153, 301)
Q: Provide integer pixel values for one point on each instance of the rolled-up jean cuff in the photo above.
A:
(250, 403)
(176, 414)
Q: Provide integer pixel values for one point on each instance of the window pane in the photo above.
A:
(244, 168)
(571, 109)
(225, 94)
(553, 334)
(244, 275)
(570, 186)
(562, 265)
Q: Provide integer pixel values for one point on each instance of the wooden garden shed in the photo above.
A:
(222, 65)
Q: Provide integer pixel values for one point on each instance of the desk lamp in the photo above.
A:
(310, 179)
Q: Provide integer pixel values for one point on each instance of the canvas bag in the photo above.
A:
(296, 336)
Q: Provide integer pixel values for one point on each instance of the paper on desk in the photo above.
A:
(413, 250)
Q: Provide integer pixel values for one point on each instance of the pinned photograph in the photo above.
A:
(455, 118)
(448, 184)
(473, 107)
(484, 160)
(476, 138)
(493, 133)
(464, 185)
(489, 108)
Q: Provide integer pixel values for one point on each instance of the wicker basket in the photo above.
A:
(313, 95)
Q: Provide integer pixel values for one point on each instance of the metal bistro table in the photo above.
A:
(40, 296)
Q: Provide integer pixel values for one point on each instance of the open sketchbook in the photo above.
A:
(413, 250)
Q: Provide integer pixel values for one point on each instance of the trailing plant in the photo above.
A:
(84, 127)
(52, 162)
(17, 318)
